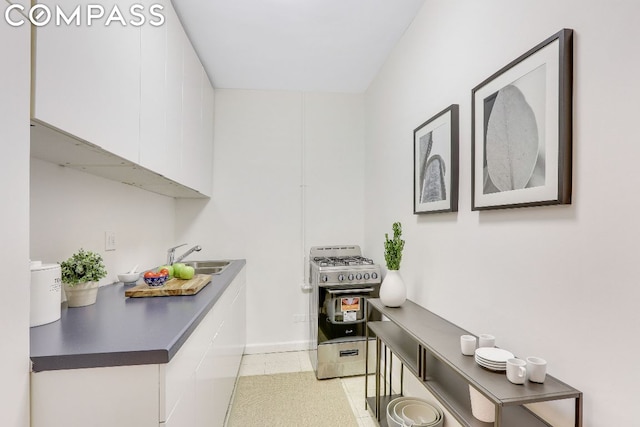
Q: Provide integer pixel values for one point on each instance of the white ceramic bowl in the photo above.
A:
(394, 418)
(394, 409)
(397, 410)
(420, 414)
(396, 406)
(128, 277)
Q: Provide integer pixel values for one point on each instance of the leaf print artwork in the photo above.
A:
(512, 140)
(521, 133)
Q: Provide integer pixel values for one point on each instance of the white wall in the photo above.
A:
(288, 174)
(72, 210)
(14, 225)
(557, 282)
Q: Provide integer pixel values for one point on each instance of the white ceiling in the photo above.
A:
(300, 45)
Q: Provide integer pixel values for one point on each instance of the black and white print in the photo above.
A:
(521, 139)
(436, 163)
(514, 139)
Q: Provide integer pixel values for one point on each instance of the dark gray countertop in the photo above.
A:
(117, 330)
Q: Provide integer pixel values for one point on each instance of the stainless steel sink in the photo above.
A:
(208, 266)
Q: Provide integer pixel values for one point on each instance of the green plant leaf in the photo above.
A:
(83, 266)
(393, 248)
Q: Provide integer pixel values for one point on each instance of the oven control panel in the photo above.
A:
(347, 277)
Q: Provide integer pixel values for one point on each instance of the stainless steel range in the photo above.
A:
(342, 280)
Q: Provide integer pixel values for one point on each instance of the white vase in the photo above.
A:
(393, 292)
(81, 294)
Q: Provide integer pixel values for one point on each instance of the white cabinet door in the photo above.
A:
(173, 88)
(184, 413)
(217, 373)
(87, 81)
(236, 330)
(154, 142)
(191, 117)
(123, 396)
(206, 405)
(206, 157)
(190, 113)
(227, 350)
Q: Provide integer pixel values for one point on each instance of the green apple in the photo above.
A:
(177, 269)
(187, 272)
(168, 267)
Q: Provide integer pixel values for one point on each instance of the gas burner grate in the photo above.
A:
(339, 261)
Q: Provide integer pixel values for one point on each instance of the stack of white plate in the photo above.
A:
(493, 358)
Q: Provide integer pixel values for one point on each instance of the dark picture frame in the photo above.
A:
(435, 163)
(521, 135)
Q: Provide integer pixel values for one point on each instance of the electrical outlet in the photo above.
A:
(299, 318)
(109, 241)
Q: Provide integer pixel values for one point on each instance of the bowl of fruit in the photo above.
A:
(156, 278)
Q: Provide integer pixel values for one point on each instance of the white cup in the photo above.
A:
(468, 345)
(537, 369)
(516, 370)
(486, 340)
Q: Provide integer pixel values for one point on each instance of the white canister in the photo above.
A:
(45, 293)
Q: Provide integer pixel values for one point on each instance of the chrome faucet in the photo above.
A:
(171, 253)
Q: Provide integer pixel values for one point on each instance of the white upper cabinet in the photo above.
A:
(194, 151)
(137, 92)
(206, 158)
(176, 40)
(186, 149)
(154, 100)
(87, 81)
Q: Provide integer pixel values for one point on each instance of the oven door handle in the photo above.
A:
(349, 291)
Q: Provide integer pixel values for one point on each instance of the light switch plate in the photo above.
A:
(109, 241)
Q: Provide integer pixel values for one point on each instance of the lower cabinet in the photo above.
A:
(216, 375)
(184, 413)
(194, 389)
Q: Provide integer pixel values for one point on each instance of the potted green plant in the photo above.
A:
(80, 276)
(393, 291)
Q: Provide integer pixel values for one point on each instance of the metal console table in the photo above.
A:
(429, 347)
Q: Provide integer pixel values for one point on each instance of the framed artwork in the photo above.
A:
(435, 163)
(521, 130)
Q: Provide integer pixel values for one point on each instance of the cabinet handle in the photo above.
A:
(349, 291)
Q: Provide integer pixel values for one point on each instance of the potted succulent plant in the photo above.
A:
(393, 292)
(80, 276)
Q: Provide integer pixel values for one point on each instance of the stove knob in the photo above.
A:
(340, 277)
(366, 276)
(324, 278)
(374, 275)
(351, 276)
(358, 276)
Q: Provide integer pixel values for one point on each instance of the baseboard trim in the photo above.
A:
(276, 347)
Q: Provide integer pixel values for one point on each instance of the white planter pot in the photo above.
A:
(81, 294)
(393, 292)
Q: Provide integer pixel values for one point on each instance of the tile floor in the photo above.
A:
(297, 361)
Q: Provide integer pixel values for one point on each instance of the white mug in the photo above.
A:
(468, 345)
(486, 340)
(537, 369)
(516, 370)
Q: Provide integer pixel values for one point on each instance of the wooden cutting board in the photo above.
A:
(171, 287)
